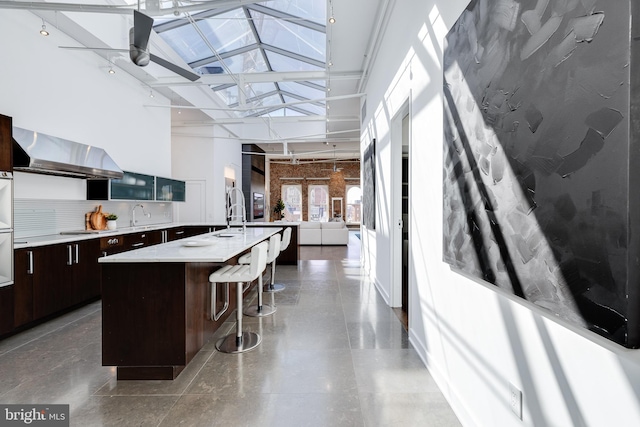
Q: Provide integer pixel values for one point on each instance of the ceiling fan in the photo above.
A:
(139, 53)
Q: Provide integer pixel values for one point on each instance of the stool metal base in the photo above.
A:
(276, 287)
(229, 344)
(253, 311)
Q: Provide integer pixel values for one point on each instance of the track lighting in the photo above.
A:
(332, 19)
(44, 31)
(111, 70)
(150, 93)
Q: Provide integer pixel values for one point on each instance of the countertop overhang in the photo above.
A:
(218, 246)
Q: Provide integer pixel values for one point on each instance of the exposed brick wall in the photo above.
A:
(337, 183)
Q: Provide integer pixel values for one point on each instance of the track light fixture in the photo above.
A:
(111, 70)
(332, 19)
(44, 31)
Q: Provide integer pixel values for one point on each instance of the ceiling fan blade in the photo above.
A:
(142, 25)
(173, 67)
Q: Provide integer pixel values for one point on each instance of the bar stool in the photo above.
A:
(240, 274)
(261, 309)
(277, 287)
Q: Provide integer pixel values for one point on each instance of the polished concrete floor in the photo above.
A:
(332, 355)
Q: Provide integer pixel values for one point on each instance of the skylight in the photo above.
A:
(277, 35)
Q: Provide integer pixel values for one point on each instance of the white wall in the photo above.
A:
(206, 153)
(474, 339)
(69, 94)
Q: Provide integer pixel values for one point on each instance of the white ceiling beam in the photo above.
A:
(258, 108)
(267, 77)
(260, 120)
(125, 9)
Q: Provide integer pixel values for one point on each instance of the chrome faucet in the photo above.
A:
(133, 214)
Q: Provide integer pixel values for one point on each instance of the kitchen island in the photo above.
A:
(156, 311)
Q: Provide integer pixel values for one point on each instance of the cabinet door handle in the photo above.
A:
(69, 255)
(30, 262)
(179, 232)
(104, 253)
(135, 245)
(77, 260)
(165, 236)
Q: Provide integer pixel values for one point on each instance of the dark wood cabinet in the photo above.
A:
(51, 279)
(195, 230)
(86, 274)
(57, 277)
(6, 309)
(135, 240)
(6, 144)
(176, 233)
(156, 237)
(22, 287)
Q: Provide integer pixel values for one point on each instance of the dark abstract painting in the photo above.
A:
(369, 186)
(538, 179)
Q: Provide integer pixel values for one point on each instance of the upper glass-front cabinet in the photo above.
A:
(137, 186)
(133, 186)
(170, 190)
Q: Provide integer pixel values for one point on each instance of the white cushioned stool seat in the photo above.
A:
(241, 341)
(261, 309)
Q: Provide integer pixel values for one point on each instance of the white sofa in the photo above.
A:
(323, 233)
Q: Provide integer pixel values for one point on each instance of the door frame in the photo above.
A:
(396, 196)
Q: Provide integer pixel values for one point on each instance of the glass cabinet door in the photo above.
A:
(170, 190)
(133, 186)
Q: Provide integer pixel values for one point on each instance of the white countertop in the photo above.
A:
(52, 239)
(218, 246)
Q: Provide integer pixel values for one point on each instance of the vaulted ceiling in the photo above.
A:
(286, 75)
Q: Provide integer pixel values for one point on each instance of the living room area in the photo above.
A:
(321, 191)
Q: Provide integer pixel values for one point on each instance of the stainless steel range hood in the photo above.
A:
(41, 153)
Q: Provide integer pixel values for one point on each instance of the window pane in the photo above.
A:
(312, 10)
(284, 63)
(247, 62)
(354, 204)
(290, 36)
(318, 203)
(227, 31)
(292, 198)
(311, 108)
(229, 94)
(187, 43)
(302, 90)
(283, 112)
(257, 105)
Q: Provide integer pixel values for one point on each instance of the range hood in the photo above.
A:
(41, 153)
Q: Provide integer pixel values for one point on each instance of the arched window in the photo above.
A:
(318, 203)
(354, 204)
(292, 198)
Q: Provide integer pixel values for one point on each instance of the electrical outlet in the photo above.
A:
(515, 400)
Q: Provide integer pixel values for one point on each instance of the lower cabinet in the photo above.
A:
(6, 309)
(195, 230)
(52, 278)
(22, 287)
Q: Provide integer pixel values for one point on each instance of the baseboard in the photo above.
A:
(442, 380)
(383, 293)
